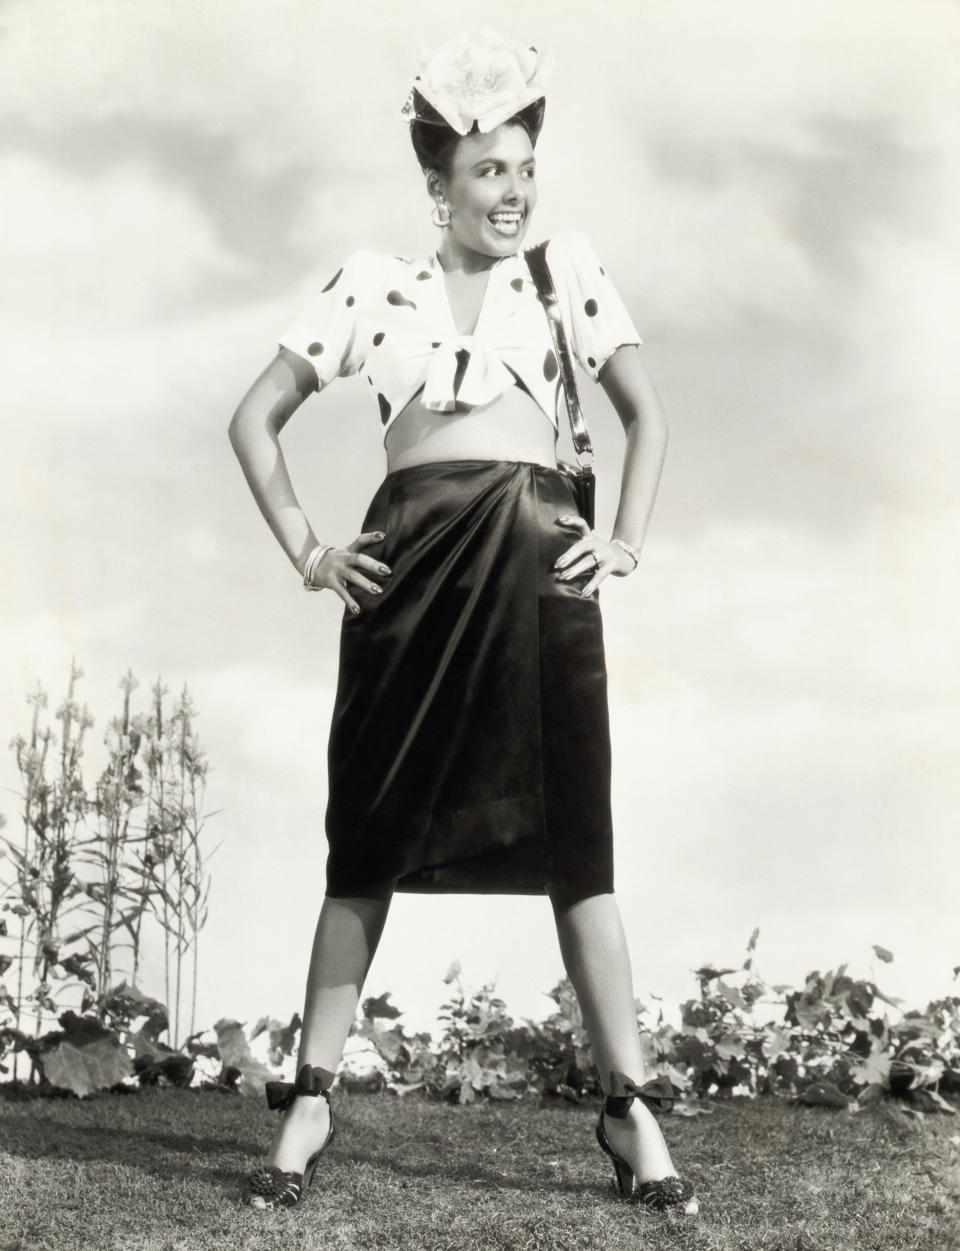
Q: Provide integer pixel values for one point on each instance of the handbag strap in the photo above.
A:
(536, 259)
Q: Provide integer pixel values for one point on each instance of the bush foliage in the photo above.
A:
(830, 1042)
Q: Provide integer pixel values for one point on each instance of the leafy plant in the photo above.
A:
(830, 1042)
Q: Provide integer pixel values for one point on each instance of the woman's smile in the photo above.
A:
(506, 221)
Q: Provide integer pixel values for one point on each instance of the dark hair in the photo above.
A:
(434, 141)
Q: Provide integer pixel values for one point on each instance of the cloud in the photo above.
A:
(200, 543)
(774, 611)
(267, 78)
(117, 248)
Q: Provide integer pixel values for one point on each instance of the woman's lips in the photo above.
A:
(506, 221)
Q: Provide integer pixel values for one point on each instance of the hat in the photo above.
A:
(482, 81)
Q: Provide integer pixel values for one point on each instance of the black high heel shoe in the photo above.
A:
(659, 1095)
(273, 1187)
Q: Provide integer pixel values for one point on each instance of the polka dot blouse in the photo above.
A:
(388, 319)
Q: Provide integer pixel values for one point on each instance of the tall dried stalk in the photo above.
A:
(118, 794)
(160, 822)
(57, 829)
(189, 882)
(31, 763)
(54, 808)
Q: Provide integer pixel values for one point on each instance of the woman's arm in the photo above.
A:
(628, 386)
(630, 390)
(255, 437)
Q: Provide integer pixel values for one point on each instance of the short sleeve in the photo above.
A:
(595, 315)
(324, 332)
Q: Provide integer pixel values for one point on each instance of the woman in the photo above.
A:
(469, 747)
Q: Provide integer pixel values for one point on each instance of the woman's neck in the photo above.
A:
(453, 256)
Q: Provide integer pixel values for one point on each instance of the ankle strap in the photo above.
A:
(311, 1080)
(617, 1105)
(658, 1094)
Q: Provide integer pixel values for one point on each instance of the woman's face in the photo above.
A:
(490, 190)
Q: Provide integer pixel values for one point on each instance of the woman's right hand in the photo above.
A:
(343, 567)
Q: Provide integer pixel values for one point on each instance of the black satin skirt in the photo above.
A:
(470, 747)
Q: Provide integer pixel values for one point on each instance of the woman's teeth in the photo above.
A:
(506, 223)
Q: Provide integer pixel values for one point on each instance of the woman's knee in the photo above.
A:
(563, 898)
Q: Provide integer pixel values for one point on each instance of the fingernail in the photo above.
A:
(380, 534)
(355, 609)
(559, 563)
(376, 590)
(384, 569)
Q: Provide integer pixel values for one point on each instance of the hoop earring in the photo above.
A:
(440, 214)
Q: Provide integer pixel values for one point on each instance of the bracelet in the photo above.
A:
(631, 551)
(313, 560)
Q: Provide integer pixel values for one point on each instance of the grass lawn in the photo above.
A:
(157, 1169)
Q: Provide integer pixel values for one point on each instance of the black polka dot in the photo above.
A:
(315, 349)
(603, 271)
(394, 297)
(591, 362)
(369, 379)
(423, 274)
(517, 284)
(384, 407)
(350, 301)
(378, 338)
(435, 345)
(334, 280)
(590, 308)
(550, 368)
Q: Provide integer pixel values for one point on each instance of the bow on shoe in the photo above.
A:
(657, 1093)
(281, 1094)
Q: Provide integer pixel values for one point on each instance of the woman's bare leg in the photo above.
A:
(595, 955)
(346, 939)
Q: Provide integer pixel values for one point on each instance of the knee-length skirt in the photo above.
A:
(469, 747)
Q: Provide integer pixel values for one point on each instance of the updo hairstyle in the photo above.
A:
(434, 141)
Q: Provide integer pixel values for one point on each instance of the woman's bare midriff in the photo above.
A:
(510, 427)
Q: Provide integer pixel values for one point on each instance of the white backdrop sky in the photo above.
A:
(775, 188)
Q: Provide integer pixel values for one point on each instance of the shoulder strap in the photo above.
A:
(536, 259)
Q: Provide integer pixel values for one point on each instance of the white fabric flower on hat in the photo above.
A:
(484, 80)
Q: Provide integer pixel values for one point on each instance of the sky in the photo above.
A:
(775, 189)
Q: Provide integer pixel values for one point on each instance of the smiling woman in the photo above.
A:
(469, 747)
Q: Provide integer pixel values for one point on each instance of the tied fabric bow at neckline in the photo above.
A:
(484, 378)
(309, 1081)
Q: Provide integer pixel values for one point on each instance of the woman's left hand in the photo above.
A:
(590, 552)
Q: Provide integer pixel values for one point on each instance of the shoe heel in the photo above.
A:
(624, 1177)
(624, 1173)
(311, 1165)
